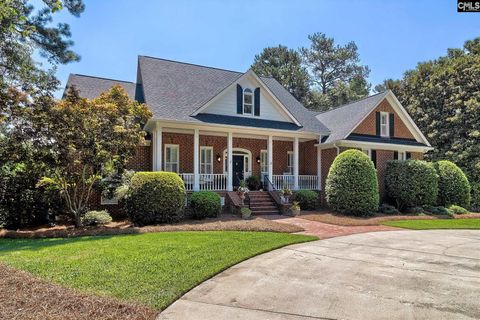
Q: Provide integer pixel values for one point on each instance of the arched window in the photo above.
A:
(247, 101)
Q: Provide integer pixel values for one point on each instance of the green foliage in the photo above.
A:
(352, 186)
(476, 197)
(443, 98)
(205, 204)
(411, 183)
(95, 218)
(388, 209)
(438, 210)
(285, 65)
(457, 209)
(254, 183)
(295, 206)
(307, 199)
(155, 197)
(245, 212)
(453, 185)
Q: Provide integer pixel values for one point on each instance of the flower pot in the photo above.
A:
(295, 213)
(246, 215)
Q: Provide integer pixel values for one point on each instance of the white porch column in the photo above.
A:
(319, 167)
(295, 163)
(196, 161)
(270, 158)
(230, 162)
(157, 148)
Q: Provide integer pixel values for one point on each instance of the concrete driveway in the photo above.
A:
(381, 275)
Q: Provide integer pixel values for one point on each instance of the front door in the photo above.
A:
(238, 164)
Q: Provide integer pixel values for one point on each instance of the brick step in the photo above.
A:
(262, 208)
(262, 204)
(265, 212)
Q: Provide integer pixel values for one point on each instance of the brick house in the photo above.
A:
(215, 127)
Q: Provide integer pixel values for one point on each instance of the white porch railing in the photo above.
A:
(210, 182)
(307, 182)
(213, 182)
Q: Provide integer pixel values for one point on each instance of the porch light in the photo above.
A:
(258, 159)
(219, 159)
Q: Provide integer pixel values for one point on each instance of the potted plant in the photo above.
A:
(286, 193)
(242, 190)
(295, 209)
(246, 213)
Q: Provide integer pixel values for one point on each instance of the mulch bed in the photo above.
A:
(226, 222)
(343, 220)
(22, 296)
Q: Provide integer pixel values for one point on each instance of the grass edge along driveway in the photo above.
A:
(154, 269)
(435, 224)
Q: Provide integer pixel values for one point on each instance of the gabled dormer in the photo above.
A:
(248, 97)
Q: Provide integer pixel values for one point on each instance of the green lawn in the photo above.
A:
(152, 268)
(435, 224)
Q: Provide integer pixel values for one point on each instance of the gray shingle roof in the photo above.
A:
(342, 120)
(91, 87)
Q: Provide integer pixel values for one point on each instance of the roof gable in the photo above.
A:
(91, 87)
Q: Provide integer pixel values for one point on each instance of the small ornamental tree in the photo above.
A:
(453, 185)
(411, 183)
(91, 139)
(352, 186)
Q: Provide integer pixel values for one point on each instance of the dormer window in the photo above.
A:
(247, 101)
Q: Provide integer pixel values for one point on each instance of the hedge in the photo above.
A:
(411, 183)
(205, 204)
(307, 199)
(352, 186)
(155, 197)
(453, 185)
(475, 197)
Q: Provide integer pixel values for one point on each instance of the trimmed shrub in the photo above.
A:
(95, 218)
(352, 186)
(453, 185)
(476, 197)
(254, 183)
(457, 209)
(411, 183)
(439, 210)
(155, 197)
(205, 204)
(388, 209)
(307, 199)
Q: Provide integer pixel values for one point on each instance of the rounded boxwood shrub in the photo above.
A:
(352, 186)
(155, 197)
(475, 197)
(457, 209)
(205, 204)
(453, 185)
(95, 218)
(411, 183)
(306, 198)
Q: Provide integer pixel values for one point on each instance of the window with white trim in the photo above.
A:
(290, 162)
(247, 101)
(206, 160)
(384, 124)
(172, 157)
(402, 155)
(263, 162)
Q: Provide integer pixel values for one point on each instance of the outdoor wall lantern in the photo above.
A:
(258, 159)
(219, 159)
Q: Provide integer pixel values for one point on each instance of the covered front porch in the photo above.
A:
(208, 158)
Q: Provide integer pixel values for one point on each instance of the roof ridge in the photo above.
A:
(352, 102)
(89, 76)
(191, 64)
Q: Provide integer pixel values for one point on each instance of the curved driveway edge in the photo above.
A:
(431, 274)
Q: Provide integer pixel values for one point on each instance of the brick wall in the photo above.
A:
(142, 160)
(308, 157)
(368, 126)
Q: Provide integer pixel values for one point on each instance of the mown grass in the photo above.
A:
(435, 224)
(154, 268)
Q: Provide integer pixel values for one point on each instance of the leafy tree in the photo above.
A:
(388, 84)
(285, 65)
(443, 97)
(335, 71)
(91, 139)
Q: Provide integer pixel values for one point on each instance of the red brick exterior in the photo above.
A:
(368, 126)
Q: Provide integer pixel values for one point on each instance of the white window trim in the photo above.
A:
(165, 156)
(252, 104)
(290, 169)
(266, 162)
(402, 155)
(211, 158)
(387, 124)
(367, 152)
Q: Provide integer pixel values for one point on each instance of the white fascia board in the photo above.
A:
(375, 146)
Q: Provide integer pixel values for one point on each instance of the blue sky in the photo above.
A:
(392, 36)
